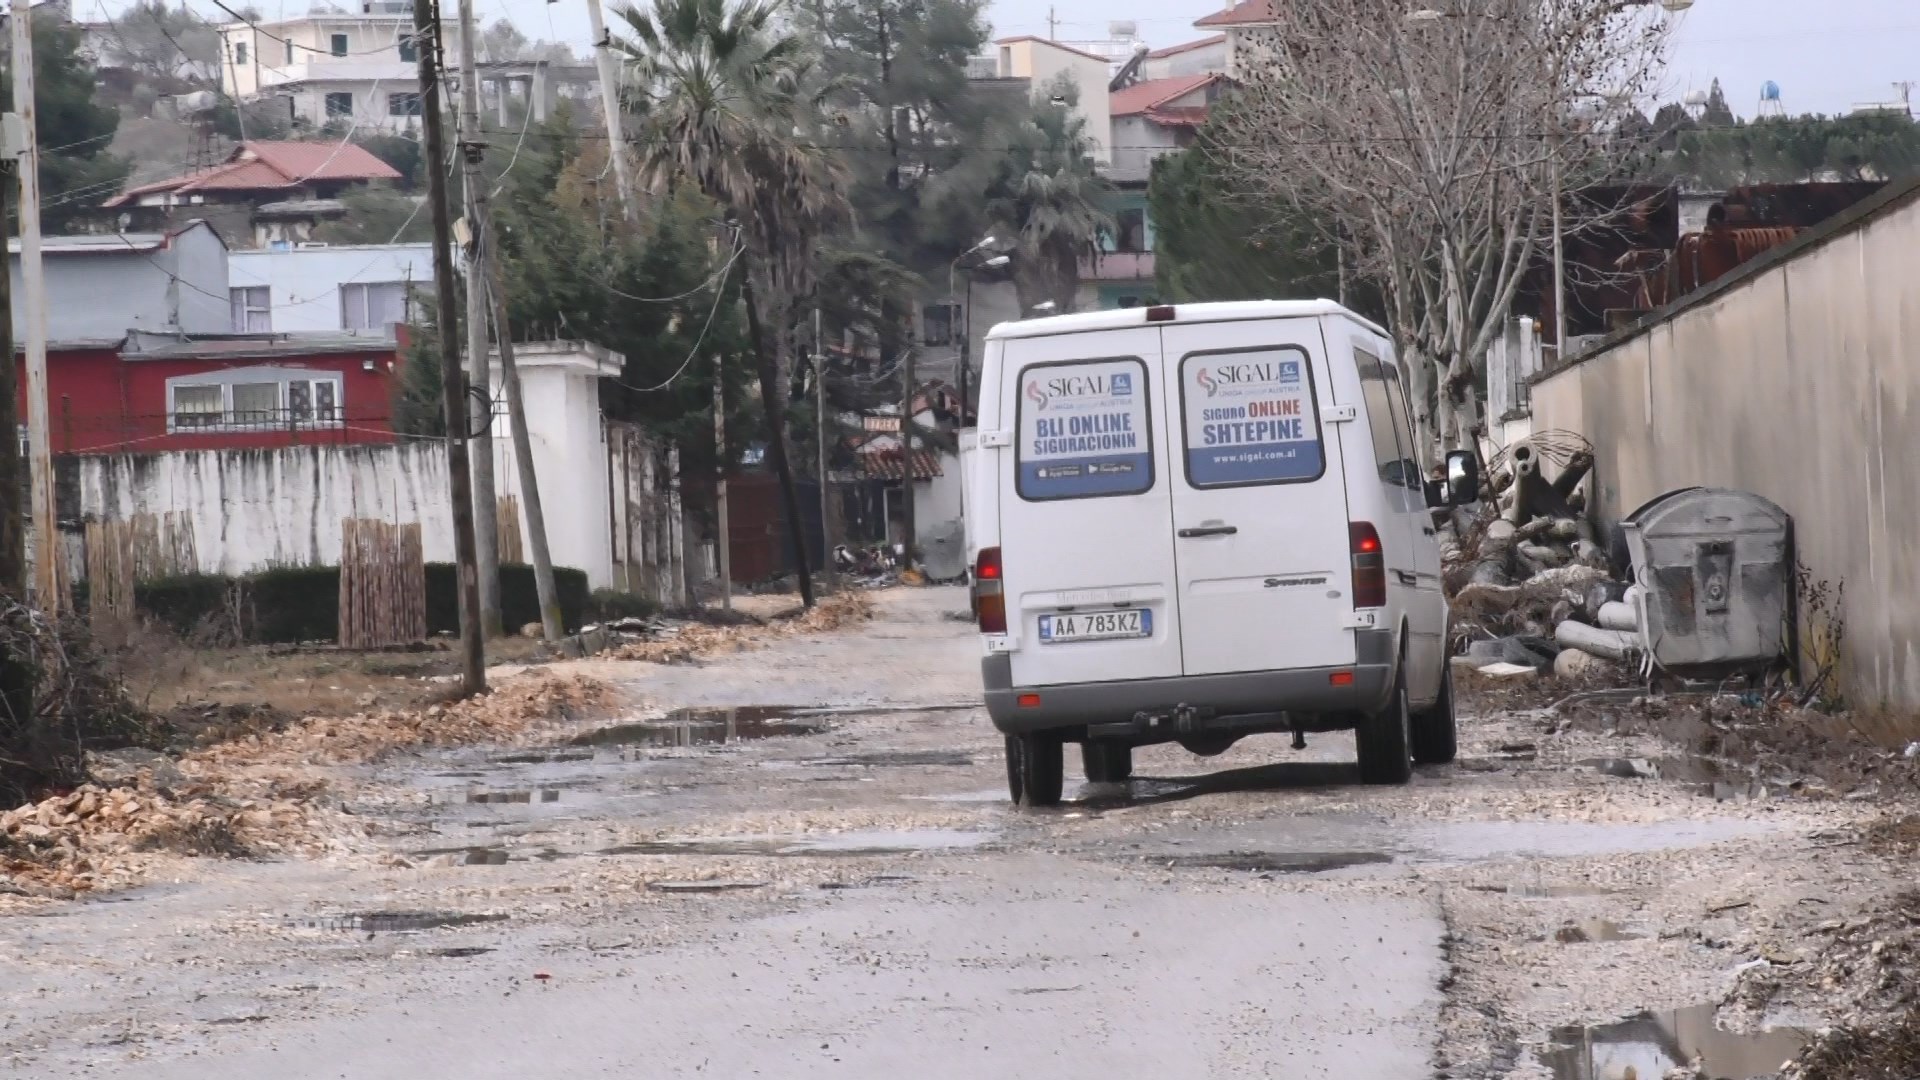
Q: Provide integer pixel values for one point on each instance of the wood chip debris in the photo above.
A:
(699, 640)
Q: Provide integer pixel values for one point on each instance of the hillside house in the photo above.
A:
(352, 288)
(267, 194)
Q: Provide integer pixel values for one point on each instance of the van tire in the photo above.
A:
(1383, 739)
(1106, 762)
(1436, 731)
(1036, 769)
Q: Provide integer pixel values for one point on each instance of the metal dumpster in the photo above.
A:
(1717, 569)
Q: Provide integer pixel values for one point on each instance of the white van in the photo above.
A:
(1202, 522)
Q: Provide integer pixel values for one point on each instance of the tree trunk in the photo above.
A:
(773, 401)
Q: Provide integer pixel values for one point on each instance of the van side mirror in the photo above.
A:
(1463, 477)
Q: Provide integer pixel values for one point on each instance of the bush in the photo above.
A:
(606, 605)
(519, 597)
(63, 697)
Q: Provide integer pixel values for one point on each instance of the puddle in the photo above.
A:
(1651, 1044)
(868, 882)
(388, 922)
(1596, 930)
(520, 795)
(990, 795)
(541, 757)
(857, 842)
(486, 857)
(459, 952)
(703, 727)
(1546, 892)
(895, 758)
(1273, 862)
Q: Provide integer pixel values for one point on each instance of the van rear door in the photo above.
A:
(1259, 499)
(1086, 551)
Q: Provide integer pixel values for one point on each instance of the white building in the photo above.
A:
(354, 66)
(1041, 62)
(316, 287)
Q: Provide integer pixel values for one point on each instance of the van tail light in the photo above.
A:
(989, 592)
(1369, 566)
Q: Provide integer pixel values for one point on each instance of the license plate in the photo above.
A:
(1096, 625)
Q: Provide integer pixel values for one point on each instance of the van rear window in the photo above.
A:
(1249, 417)
(1085, 430)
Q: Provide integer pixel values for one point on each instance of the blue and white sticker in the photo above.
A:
(1084, 430)
(1249, 419)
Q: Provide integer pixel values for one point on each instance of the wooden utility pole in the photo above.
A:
(426, 36)
(551, 626)
(33, 310)
(13, 553)
(827, 568)
(610, 104)
(486, 515)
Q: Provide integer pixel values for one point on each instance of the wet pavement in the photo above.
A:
(706, 884)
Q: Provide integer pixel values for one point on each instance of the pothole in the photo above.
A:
(703, 727)
(1652, 1044)
(857, 842)
(512, 795)
(1596, 930)
(1272, 862)
(388, 922)
(1545, 892)
(541, 757)
(717, 885)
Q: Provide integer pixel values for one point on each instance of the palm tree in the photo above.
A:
(1048, 195)
(726, 100)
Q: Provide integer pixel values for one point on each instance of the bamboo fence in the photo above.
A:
(121, 554)
(383, 584)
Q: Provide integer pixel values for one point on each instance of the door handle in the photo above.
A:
(1428, 530)
(1406, 578)
(1208, 530)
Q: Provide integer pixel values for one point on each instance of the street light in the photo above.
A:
(966, 315)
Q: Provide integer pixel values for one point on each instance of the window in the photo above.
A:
(1387, 420)
(1249, 417)
(407, 104)
(254, 399)
(937, 323)
(1130, 230)
(1402, 418)
(1085, 430)
(373, 306)
(252, 310)
(240, 53)
(339, 104)
(339, 44)
(408, 53)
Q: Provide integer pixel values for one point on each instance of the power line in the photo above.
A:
(719, 294)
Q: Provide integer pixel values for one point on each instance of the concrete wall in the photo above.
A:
(304, 283)
(1205, 60)
(570, 461)
(1797, 380)
(1136, 142)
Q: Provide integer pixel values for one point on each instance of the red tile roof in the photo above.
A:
(1143, 97)
(1246, 13)
(272, 166)
(1182, 116)
(1055, 44)
(887, 465)
(1176, 50)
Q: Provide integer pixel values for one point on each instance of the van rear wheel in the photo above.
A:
(1106, 762)
(1384, 738)
(1036, 769)
(1436, 732)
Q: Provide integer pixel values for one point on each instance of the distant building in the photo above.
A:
(1207, 56)
(101, 287)
(1249, 28)
(360, 68)
(266, 194)
(354, 288)
(1041, 62)
(1155, 117)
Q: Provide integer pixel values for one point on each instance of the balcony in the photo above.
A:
(1117, 266)
(324, 69)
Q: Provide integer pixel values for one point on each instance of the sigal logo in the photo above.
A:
(1229, 375)
(1207, 382)
(1046, 391)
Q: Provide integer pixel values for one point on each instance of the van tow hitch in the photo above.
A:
(1183, 720)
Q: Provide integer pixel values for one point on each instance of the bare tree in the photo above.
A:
(1429, 143)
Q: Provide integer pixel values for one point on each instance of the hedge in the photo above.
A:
(292, 604)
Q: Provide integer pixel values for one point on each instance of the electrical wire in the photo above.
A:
(712, 280)
(719, 294)
(271, 36)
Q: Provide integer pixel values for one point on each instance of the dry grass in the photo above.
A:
(1888, 1052)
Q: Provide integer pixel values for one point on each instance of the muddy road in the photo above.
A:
(799, 861)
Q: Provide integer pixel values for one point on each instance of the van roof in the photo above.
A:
(1233, 311)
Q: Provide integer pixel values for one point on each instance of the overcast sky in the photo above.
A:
(1827, 55)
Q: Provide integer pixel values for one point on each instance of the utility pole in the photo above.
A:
(906, 456)
(486, 512)
(1053, 24)
(610, 104)
(820, 429)
(426, 36)
(550, 625)
(725, 544)
(13, 554)
(33, 307)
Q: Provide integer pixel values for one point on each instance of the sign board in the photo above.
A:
(1084, 430)
(1249, 418)
(880, 423)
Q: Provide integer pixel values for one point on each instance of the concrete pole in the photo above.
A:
(486, 503)
(551, 626)
(33, 309)
(820, 436)
(473, 647)
(610, 104)
(906, 461)
(725, 544)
